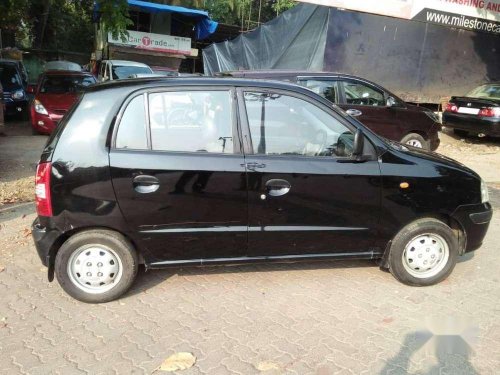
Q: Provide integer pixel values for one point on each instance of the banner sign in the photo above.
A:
(154, 42)
(475, 15)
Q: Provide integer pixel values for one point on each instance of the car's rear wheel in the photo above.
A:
(461, 133)
(415, 140)
(96, 266)
(423, 253)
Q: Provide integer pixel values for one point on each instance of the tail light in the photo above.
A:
(451, 107)
(490, 112)
(42, 189)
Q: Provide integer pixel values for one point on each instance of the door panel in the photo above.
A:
(179, 174)
(322, 205)
(330, 207)
(198, 211)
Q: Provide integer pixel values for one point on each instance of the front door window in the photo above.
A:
(285, 125)
(357, 93)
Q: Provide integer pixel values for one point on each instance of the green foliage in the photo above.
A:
(115, 17)
(67, 24)
(281, 5)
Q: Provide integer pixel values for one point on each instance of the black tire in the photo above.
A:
(121, 247)
(34, 131)
(409, 233)
(415, 137)
(461, 133)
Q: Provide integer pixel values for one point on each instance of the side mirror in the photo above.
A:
(30, 89)
(391, 102)
(358, 145)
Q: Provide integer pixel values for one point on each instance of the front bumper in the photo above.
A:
(476, 125)
(44, 123)
(475, 220)
(45, 242)
(13, 107)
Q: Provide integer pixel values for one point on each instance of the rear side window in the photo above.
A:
(132, 129)
(191, 121)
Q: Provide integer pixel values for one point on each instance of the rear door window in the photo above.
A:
(192, 121)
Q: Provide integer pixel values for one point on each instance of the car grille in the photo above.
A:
(60, 111)
(7, 95)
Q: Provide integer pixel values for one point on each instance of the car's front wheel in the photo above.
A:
(415, 140)
(423, 253)
(96, 266)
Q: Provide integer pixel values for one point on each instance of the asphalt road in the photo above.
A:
(344, 317)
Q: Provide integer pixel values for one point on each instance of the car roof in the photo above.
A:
(280, 72)
(126, 63)
(10, 61)
(66, 73)
(194, 81)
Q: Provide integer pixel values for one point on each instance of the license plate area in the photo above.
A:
(469, 111)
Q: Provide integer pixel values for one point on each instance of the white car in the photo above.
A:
(121, 69)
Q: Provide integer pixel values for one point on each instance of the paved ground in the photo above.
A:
(313, 318)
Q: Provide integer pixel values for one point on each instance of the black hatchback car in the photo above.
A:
(201, 171)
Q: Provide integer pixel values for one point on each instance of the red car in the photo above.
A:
(55, 93)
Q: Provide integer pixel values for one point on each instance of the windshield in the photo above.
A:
(63, 84)
(485, 91)
(120, 72)
(9, 77)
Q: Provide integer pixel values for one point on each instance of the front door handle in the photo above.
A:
(354, 112)
(252, 166)
(277, 187)
(146, 184)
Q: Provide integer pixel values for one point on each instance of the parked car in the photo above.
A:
(14, 88)
(478, 112)
(54, 95)
(195, 171)
(373, 105)
(120, 69)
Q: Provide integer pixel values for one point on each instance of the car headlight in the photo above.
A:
(39, 108)
(485, 197)
(434, 117)
(19, 94)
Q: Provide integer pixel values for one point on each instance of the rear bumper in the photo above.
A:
(475, 220)
(45, 240)
(475, 125)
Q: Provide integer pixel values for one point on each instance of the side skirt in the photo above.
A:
(264, 259)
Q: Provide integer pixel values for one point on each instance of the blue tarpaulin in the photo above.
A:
(204, 26)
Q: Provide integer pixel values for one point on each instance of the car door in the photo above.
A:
(305, 195)
(368, 104)
(177, 170)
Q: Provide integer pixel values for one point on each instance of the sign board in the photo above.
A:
(154, 42)
(474, 15)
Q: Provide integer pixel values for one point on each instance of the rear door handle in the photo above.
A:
(277, 187)
(354, 112)
(145, 184)
(252, 166)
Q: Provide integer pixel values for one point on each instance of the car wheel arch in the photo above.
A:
(68, 234)
(455, 225)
